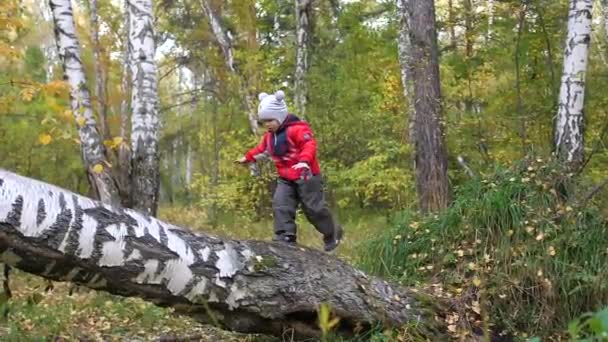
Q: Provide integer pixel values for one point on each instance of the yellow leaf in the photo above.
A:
(80, 120)
(476, 281)
(45, 139)
(98, 168)
(66, 115)
(117, 141)
(333, 322)
(114, 143)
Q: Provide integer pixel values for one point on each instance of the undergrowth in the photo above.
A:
(513, 255)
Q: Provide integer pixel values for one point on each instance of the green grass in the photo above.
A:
(359, 227)
(511, 255)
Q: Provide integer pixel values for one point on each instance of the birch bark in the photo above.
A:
(91, 144)
(145, 175)
(569, 137)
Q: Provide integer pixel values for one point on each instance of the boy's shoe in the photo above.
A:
(332, 243)
(287, 239)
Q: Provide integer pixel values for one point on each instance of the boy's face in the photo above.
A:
(271, 125)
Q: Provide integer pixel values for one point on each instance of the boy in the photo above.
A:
(290, 143)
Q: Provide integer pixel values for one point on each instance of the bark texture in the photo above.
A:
(100, 77)
(304, 13)
(124, 153)
(432, 183)
(91, 144)
(245, 286)
(404, 48)
(569, 125)
(145, 174)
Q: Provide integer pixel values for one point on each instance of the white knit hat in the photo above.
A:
(272, 106)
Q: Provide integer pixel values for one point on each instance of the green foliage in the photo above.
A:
(510, 247)
(590, 327)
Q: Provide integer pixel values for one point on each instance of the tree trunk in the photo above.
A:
(245, 286)
(303, 31)
(224, 40)
(145, 175)
(521, 115)
(124, 154)
(404, 46)
(569, 137)
(93, 151)
(430, 158)
(452, 24)
(100, 79)
(490, 21)
(605, 13)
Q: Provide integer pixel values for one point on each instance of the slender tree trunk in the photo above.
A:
(452, 23)
(521, 115)
(490, 21)
(145, 175)
(188, 177)
(605, 13)
(569, 137)
(406, 62)
(100, 79)
(124, 153)
(550, 63)
(335, 9)
(304, 13)
(246, 286)
(432, 181)
(468, 51)
(93, 151)
(224, 40)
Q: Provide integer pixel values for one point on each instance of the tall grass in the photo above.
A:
(511, 248)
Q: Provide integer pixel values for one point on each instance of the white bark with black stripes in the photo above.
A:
(145, 173)
(569, 137)
(93, 151)
(404, 48)
(304, 13)
(246, 286)
(100, 76)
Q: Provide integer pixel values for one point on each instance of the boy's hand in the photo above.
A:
(304, 170)
(301, 165)
(241, 160)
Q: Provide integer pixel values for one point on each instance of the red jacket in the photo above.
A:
(302, 147)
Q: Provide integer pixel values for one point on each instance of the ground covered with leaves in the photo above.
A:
(43, 311)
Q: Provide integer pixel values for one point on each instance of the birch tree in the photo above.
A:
(245, 286)
(605, 13)
(224, 40)
(304, 13)
(404, 48)
(569, 137)
(92, 148)
(124, 154)
(100, 79)
(430, 159)
(145, 173)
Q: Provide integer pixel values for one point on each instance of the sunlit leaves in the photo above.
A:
(45, 139)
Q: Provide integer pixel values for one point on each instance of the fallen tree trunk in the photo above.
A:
(245, 286)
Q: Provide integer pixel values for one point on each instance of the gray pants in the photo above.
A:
(310, 195)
